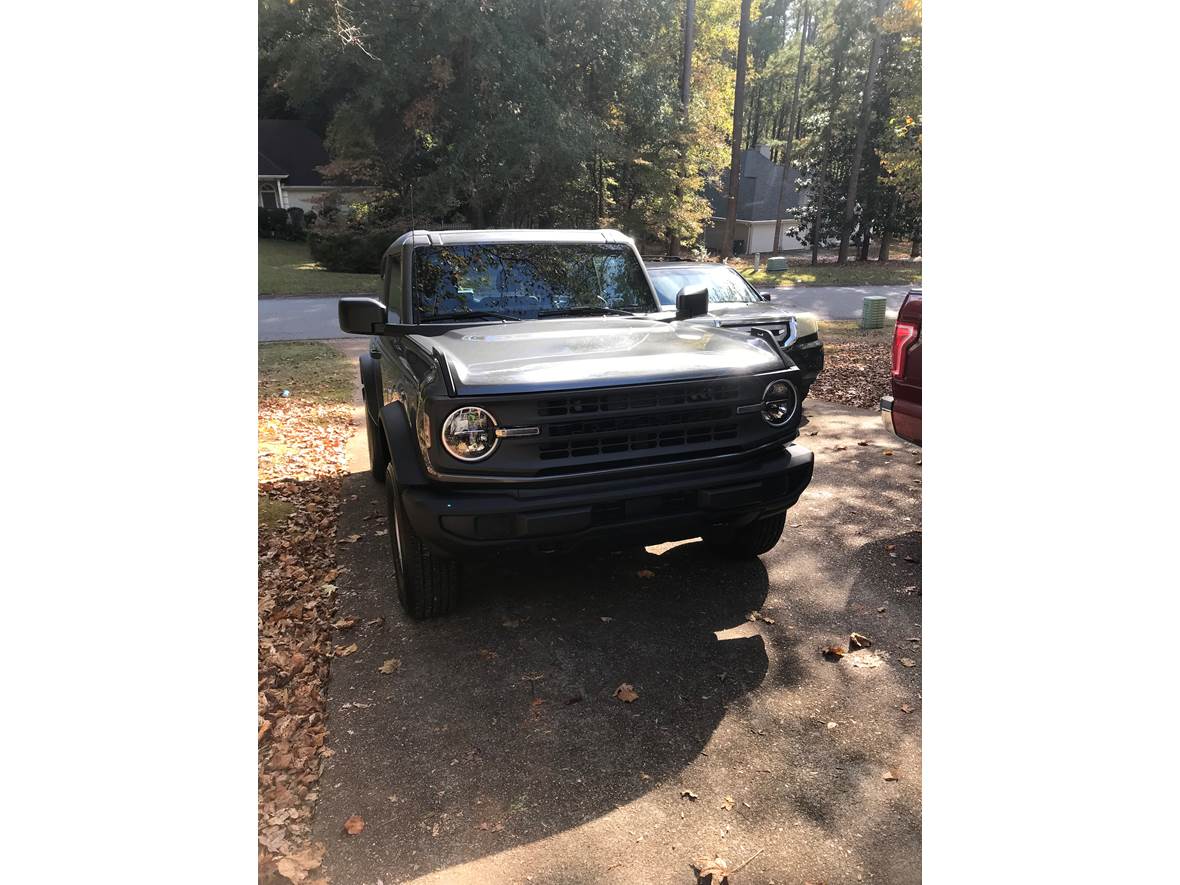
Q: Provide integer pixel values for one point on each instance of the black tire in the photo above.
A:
(754, 539)
(378, 449)
(427, 581)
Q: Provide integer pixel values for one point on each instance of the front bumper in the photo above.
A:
(809, 357)
(647, 511)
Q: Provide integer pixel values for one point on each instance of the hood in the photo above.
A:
(566, 354)
(744, 313)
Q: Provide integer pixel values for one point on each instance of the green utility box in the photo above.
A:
(778, 262)
(873, 314)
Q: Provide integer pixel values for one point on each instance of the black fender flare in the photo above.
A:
(371, 389)
(403, 446)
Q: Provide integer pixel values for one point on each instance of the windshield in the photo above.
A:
(725, 284)
(528, 280)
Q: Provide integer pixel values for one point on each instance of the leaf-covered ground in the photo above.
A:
(856, 364)
(301, 439)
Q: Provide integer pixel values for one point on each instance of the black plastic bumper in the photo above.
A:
(651, 511)
(809, 357)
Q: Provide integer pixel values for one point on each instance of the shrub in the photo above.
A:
(350, 249)
(281, 224)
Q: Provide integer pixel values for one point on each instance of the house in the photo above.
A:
(289, 154)
(757, 206)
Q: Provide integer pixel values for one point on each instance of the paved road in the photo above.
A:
(293, 319)
(497, 752)
(838, 302)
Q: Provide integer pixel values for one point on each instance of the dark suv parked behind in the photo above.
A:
(522, 391)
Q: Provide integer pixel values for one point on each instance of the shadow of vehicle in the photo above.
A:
(501, 725)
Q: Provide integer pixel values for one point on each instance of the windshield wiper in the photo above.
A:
(469, 314)
(587, 309)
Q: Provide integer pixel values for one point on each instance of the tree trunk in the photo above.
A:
(916, 248)
(792, 115)
(887, 227)
(862, 132)
(685, 97)
(825, 144)
(735, 160)
(866, 229)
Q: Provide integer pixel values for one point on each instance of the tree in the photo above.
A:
(735, 157)
(862, 132)
(793, 112)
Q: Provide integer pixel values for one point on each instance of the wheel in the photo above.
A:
(427, 581)
(751, 540)
(378, 452)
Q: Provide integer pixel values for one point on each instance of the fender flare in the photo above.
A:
(371, 389)
(403, 446)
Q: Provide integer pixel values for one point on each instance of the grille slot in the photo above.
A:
(636, 400)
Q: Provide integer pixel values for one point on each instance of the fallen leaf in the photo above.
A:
(907, 662)
(758, 616)
(910, 559)
(606, 620)
(727, 804)
(859, 640)
(888, 775)
(343, 651)
(345, 624)
(831, 725)
(887, 453)
(644, 776)
(689, 794)
(390, 666)
(264, 728)
(354, 825)
(351, 539)
(510, 624)
(717, 867)
(834, 652)
(295, 866)
(626, 693)
(907, 708)
(880, 609)
(376, 622)
(889, 547)
(862, 443)
(646, 573)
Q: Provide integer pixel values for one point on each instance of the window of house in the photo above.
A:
(270, 196)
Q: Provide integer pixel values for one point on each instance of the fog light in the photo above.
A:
(779, 403)
(469, 433)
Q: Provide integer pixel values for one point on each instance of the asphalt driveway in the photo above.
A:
(497, 751)
(297, 318)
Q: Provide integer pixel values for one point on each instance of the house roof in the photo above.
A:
(289, 147)
(758, 190)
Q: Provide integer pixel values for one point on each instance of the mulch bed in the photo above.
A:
(301, 462)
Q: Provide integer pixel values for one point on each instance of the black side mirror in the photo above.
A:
(359, 316)
(765, 296)
(692, 301)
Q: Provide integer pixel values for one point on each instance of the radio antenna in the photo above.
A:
(413, 218)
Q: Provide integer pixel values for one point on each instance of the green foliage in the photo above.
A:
(281, 224)
(351, 249)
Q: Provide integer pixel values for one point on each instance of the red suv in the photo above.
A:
(902, 412)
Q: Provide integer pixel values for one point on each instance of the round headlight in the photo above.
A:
(469, 433)
(779, 403)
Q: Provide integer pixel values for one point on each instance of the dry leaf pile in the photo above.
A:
(301, 461)
(856, 372)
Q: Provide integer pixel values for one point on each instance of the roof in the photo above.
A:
(470, 237)
(289, 147)
(758, 190)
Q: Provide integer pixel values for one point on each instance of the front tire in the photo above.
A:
(428, 582)
(754, 539)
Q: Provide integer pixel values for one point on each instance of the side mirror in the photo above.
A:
(765, 296)
(692, 301)
(358, 316)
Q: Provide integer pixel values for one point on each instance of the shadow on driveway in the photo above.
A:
(501, 726)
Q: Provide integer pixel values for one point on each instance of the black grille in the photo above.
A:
(635, 400)
(625, 422)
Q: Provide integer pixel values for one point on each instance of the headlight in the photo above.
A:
(805, 324)
(469, 433)
(779, 403)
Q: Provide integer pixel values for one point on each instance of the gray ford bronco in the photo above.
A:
(524, 392)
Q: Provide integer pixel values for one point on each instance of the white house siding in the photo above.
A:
(309, 198)
(759, 236)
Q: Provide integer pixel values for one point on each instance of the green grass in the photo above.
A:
(272, 512)
(310, 371)
(288, 269)
(855, 273)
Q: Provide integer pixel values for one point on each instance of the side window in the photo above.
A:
(393, 284)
